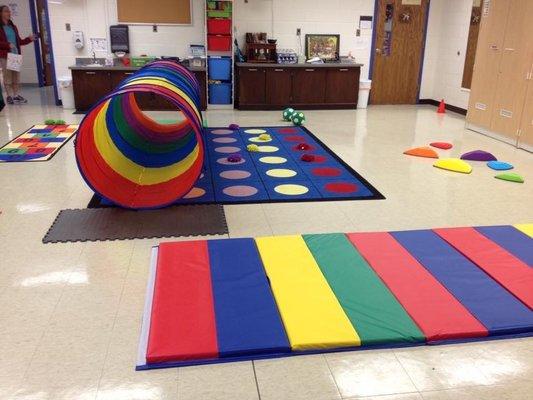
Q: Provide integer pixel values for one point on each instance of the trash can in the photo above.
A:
(67, 92)
(364, 93)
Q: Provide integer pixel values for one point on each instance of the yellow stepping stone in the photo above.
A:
(453, 164)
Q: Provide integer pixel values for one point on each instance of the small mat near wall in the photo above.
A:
(224, 300)
(117, 224)
(273, 173)
(39, 143)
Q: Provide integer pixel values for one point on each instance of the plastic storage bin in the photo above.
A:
(219, 93)
(219, 68)
(216, 26)
(218, 43)
(67, 92)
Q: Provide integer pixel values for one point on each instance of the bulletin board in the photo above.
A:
(154, 12)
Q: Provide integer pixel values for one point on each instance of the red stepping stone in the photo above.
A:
(341, 187)
(442, 145)
(326, 171)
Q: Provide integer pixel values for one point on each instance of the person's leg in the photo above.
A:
(7, 80)
(15, 81)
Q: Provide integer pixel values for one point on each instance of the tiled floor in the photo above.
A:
(70, 313)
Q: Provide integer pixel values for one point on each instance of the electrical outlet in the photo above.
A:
(154, 28)
(298, 31)
(67, 27)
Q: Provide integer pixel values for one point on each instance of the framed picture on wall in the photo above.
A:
(326, 47)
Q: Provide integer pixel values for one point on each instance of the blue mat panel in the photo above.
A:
(497, 309)
(247, 318)
(511, 239)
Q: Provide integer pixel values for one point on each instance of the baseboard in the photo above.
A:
(449, 107)
(498, 136)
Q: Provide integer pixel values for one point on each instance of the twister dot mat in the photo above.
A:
(226, 300)
(274, 173)
(39, 143)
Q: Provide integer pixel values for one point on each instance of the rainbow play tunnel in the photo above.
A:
(132, 160)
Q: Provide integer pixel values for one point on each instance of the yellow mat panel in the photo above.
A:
(311, 313)
(526, 228)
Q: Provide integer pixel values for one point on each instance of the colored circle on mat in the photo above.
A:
(341, 187)
(268, 149)
(227, 149)
(287, 130)
(224, 161)
(308, 147)
(294, 138)
(256, 139)
(255, 131)
(235, 174)
(194, 193)
(240, 191)
(224, 140)
(326, 171)
(291, 190)
(221, 131)
(281, 173)
(273, 160)
(319, 159)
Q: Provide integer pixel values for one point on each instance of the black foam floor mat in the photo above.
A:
(117, 224)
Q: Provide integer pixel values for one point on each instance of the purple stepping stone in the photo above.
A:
(478, 155)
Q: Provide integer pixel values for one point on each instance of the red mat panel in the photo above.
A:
(438, 314)
(182, 306)
(509, 271)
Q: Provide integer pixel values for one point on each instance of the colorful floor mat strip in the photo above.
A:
(225, 300)
(39, 143)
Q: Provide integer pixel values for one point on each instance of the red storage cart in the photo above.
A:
(219, 26)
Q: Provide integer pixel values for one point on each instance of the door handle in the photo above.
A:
(252, 69)
(90, 73)
(128, 73)
(309, 70)
(343, 69)
(378, 51)
(279, 70)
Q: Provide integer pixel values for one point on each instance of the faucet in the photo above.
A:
(94, 57)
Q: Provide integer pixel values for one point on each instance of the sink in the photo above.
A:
(93, 65)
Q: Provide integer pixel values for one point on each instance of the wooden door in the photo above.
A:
(487, 62)
(342, 86)
(399, 41)
(309, 86)
(44, 42)
(278, 87)
(252, 86)
(473, 34)
(515, 65)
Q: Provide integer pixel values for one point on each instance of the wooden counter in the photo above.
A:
(90, 84)
(301, 86)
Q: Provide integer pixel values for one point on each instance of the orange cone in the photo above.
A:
(442, 107)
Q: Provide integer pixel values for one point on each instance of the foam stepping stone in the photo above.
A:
(511, 177)
(442, 145)
(478, 155)
(426, 152)
(499, 165)
(453, 164)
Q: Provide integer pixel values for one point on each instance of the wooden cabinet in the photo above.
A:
(252, 86)
(500, 93)
(278, 87)
(274, 87)
(342, 86)
(91, 85)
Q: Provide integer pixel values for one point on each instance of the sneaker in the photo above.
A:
(19, 99)
(9, 100)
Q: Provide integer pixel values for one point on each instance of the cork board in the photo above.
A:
(154, 12)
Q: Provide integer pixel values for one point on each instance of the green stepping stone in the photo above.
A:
(511, 177)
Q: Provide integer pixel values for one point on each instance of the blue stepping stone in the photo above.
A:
(499, 165)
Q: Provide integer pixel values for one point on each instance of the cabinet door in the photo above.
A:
(278, 87)
(342, 86)
(201, 76)
(514, 70)
(89, 87)
(487, 62)
(525, 140)
(309, 86)
(252, 86)
(119, 76)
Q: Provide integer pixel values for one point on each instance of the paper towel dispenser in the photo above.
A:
(120, 38)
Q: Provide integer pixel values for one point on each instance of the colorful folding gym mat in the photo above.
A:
(39, 143)
(224, 300)
(275, 173)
